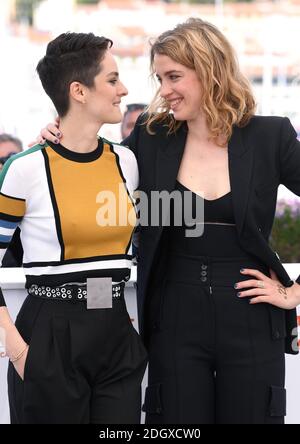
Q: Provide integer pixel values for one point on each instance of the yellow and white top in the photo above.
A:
(60, 200)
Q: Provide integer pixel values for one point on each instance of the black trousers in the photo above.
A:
(214, 358)
(83, 366)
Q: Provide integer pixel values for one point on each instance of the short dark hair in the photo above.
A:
(4, 137)
(71, 57)
(134, 107)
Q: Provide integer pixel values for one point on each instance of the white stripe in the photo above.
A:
(73, 268)
(38, 228)
(6, 231)
(2, 253)
(129, 167)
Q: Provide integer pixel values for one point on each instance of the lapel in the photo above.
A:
(169, 155)
(240, 173)
(240, 158)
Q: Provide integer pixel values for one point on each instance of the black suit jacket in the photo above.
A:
(262, 155)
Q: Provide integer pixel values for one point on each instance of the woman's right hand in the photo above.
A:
(20, 364)
(50, 132)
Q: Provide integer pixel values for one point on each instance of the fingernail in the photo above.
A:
(239, 295)
(56, 141)
(58, 134)
(236, 286)
(242, 270)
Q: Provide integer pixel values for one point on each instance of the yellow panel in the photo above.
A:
(77, 186)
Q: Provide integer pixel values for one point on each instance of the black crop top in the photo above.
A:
(217, 210)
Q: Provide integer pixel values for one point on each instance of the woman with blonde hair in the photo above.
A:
(216, 310)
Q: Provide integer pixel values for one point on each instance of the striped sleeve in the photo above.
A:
(12, 206)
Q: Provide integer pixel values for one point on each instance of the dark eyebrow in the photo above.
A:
(113, 73)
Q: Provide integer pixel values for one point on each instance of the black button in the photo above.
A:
(203, 279)
(203, 273)
(204, 267)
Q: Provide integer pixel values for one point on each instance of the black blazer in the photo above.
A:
(262, 155)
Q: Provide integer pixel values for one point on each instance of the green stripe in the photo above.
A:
(17, 156)
(111, 143)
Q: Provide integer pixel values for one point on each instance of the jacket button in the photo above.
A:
(204, 267)
(203, 273)
(203, 279)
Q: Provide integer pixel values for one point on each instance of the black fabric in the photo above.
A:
(83, 366)
(75, 156)
(212, 355)
(262, 155)
(152, 404)
(277, 401)
(216, 210)
(14, 254)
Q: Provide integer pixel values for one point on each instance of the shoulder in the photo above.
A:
(21, 163)
(122, 151)
(127, 164)
(269, 129)
(267, 123)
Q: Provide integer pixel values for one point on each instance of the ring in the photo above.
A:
(260, 284)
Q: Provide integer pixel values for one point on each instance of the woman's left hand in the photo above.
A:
(268, 290)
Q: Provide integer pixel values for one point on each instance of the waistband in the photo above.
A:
(208, 270)
(70, 292)
(216, 240)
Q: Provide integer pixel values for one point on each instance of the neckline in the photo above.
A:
(201, 197)
(78, 157)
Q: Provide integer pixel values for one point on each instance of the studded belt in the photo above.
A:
(70, 292)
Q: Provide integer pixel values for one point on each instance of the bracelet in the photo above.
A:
(19, 356)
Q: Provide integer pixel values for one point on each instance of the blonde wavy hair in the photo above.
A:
(227, 96)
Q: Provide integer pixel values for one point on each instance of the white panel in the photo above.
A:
(128, 166)
(38, 229)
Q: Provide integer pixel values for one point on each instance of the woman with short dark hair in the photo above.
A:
(74, 354)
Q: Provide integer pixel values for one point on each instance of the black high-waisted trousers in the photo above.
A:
(213, 357)
(83, 366)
